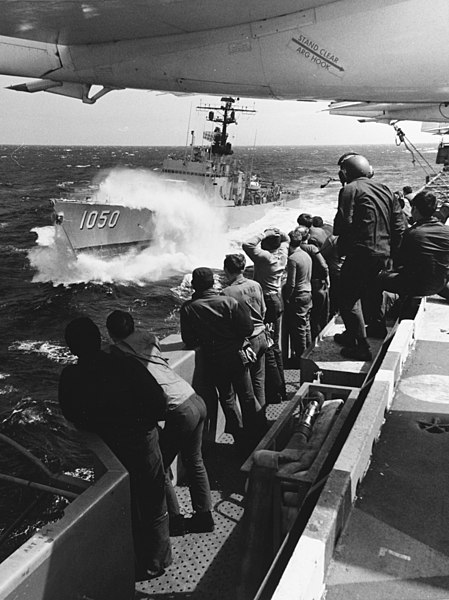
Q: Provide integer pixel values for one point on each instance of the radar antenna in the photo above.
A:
(226, 115)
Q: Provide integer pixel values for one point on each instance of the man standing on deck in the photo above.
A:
(370, 226)
(219, 325)
(118, 399)
(298, 293)
(249, 292)
(319, 315)
(269, 251)
(184, 422)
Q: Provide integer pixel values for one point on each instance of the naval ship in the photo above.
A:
(102, 225)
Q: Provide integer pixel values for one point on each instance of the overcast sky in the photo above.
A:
(130, 117)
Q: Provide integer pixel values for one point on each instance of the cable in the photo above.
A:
(402, 139)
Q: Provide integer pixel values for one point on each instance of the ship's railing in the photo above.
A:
(69, 558)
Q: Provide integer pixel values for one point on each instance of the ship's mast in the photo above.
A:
(225, 114)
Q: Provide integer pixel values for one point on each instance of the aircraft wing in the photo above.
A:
(386, 58)
(435, 128)
(73, 22)
(384, 112)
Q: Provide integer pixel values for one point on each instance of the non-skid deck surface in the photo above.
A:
(207, 566)
(395, 545)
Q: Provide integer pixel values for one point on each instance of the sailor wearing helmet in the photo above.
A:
(370, 225)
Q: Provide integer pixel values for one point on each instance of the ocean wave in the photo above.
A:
(54, 352)
(5, 390)
(189, 232)
(10, 249)
(65, 184)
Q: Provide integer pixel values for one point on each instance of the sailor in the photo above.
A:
(297, 293)
(249, 292)
(370, 224)
(407, 197)
(318, 231)
(319, 315)
(269, 251)
(184, 422)
(305, 219)
(329, 251)
(219, 325)
(423, 260)
(120, 401)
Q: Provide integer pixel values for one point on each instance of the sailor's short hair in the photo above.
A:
(82, 336)
(426, 203)
(235, 263)
(120, 324)
(305, 219)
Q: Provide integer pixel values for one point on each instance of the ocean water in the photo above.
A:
(43, 286)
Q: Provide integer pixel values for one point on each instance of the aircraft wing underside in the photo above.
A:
(387, 59)
(384, 112)
(99, 21)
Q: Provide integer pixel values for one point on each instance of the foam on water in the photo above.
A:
(7, 389)
(189, 231)
(54, 352)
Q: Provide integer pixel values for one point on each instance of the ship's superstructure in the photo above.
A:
(212, 172)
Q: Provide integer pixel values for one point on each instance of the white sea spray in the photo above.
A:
(52, 351)
(189, 231)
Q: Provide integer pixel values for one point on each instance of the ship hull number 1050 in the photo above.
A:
(94, 218)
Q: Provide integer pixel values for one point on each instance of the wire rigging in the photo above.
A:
(417, 156)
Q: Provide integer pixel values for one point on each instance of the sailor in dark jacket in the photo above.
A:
(219, 325)
(370, 225)
(184, 422)
(423, 261)
(120, 401)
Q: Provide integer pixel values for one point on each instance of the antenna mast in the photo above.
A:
(227, 116)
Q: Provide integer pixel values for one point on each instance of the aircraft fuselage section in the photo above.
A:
(391, 51)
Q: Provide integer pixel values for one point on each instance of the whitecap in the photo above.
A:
(54, 352)
(7, 389)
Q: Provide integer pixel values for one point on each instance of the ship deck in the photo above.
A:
(395, 543)
(207, 566)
